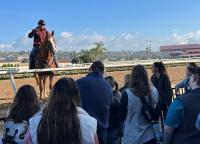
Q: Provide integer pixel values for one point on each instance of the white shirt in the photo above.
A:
(88, 126)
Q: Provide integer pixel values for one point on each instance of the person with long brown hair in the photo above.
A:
(62, 121)
(25, 105)
(137, 130)
(161, 81)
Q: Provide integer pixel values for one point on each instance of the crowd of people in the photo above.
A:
(94, 110)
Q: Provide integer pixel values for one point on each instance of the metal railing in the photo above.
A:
(179, 92)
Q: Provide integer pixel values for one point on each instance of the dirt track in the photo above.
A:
(175, 73)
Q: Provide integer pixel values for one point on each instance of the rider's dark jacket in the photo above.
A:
(39, 36)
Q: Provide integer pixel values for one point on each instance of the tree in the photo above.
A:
(86, 56)
(99, 51)
(90, 55)
(75, 58)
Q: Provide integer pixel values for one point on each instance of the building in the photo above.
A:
(2, 59)
(188, 50)
(23, 59)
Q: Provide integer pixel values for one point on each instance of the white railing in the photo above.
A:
(13, 71)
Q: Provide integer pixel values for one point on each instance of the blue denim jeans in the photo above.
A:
(102, 135)
(113, 137)
(32, 57)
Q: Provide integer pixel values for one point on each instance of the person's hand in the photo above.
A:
(52, 32)
(34, 31)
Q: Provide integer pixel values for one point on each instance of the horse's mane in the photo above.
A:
(48, 45)
(46, 51)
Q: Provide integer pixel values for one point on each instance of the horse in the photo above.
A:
(45, 58)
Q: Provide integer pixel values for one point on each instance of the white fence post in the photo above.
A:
(12, 81)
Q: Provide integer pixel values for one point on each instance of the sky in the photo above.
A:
(120, 24)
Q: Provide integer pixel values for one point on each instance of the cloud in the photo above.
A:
(19, 44)
(5, 46)
(68, 41)
(186, 38)
(126, 41)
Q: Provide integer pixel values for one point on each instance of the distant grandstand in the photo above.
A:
(189, 50)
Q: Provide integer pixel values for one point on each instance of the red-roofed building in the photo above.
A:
(189, 50)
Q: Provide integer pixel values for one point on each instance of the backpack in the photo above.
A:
(152, 117)
(14, 132)
(148, 111)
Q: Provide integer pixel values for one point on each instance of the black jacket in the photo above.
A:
(163, 86)
(38, 35)
(114, 118)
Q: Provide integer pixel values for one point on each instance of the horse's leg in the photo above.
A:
(36, 78)
(44, 85)
(40, 86)
(50, 82)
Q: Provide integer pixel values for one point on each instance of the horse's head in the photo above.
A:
(49, 44)
(51, 40)
(47, 49)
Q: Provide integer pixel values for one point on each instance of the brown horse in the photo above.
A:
(45, 59)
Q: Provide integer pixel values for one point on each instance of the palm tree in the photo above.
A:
(99, 50)
(91, 55)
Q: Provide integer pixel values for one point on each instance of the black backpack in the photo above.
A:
(151, 115)
(148, 111)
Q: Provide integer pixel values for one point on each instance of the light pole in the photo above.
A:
(148, 49)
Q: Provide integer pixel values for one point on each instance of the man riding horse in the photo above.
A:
(39, 34)
(42, 55)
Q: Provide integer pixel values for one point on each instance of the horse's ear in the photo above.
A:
(52, 33)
